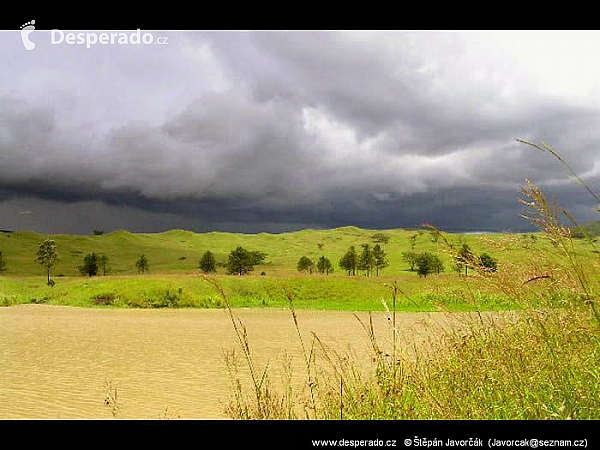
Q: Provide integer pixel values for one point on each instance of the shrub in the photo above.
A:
(157, 299)
(142, 264)
(488, 263)
(90, 265)
(104, 299)
(208, 263)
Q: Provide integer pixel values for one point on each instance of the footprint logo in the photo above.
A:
(26, 30)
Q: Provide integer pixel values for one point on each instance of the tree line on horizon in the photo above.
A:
(373, 259)
(369, 260)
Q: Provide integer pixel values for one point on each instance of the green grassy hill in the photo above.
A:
(179, 251)
(174, 257)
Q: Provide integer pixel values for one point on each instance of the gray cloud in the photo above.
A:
(254, 129)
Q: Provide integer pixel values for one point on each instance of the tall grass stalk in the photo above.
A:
(242, 335)
(308, 356)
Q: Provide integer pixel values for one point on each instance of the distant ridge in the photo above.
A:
(342, 229)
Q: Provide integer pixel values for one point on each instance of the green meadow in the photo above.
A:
(174, 277)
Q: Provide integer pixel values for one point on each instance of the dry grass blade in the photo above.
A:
(242, 335)
(308, 357)
(548, 218)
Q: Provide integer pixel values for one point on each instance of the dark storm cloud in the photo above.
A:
(251, 129)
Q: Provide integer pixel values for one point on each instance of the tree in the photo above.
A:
(103, 264)
(410, 258)
(488, 263)
(379, 257)
(324, 265)
(2, 262)
(366, 260)
(90, 265)
(305, 264)
(349, 261)
(466, 257)
(142, 264)
(428, 263)
(241, 261)
(208, 263)
(424, 264)
(257, 258)
(48, 257)
(438, 265)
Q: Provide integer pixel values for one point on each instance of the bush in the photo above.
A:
(142, 265)
(7, 300)
(208, 263)
(167, 300)
(90, 265)
(158, 299)
(488, 263)
(104, 299)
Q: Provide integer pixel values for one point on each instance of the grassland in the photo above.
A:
(174, 255)
(543, 365)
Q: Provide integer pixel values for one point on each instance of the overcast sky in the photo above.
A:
(277, 131)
